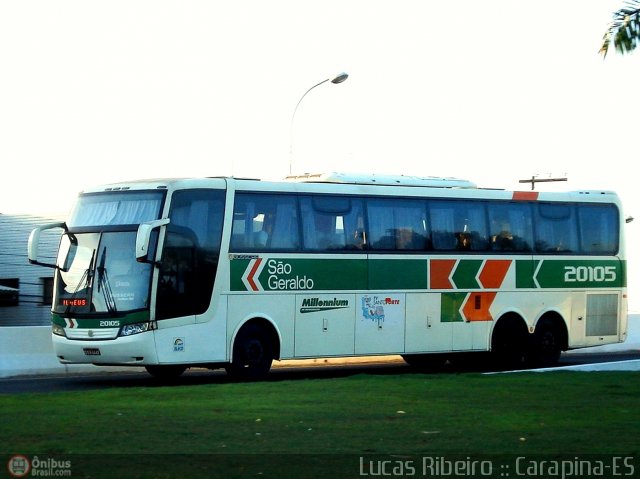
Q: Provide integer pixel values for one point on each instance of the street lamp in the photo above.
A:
(335, 80)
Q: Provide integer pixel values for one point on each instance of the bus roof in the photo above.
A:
(387, 180)
(361, 184)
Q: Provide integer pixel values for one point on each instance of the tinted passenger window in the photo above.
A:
(599, 226)
(332, 223)
(556, 229)
(265, 222)
(397, 225)
(458, 226)
(510, 227)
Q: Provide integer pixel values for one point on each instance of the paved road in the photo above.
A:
(393, 365)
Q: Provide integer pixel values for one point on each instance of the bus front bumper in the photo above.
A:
(134, 350)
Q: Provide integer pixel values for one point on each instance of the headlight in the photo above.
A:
(57, 330)
(136, 328)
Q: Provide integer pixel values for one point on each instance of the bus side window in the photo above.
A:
(604, 238)
(458, 225)
(397, 224)
(556, 229)
(332, 223)
(511, 227)
(265, 222)
(281, 225)
(463, 241)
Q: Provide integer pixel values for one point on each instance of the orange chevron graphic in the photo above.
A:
(251, 277)
(493, 273)
(476, 307)
(440, 271)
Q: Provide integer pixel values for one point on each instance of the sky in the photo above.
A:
(494, 92)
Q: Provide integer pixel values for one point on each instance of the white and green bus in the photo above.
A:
(236, 273)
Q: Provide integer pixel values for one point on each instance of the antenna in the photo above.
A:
(535, 180)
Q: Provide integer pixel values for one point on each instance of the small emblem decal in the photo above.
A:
(178, 345)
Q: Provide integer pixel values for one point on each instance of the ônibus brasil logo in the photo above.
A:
(19, 466)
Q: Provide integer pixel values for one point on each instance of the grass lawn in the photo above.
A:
(320, 425)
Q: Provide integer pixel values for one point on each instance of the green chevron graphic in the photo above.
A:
(450, 307)
(465, 274)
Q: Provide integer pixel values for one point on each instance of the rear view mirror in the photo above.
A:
(143, 237)
(34, 241)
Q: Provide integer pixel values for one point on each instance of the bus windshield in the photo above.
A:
(97, 268)
(98, 273)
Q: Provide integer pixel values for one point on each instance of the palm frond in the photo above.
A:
(624, 29)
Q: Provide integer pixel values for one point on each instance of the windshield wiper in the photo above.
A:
(103, 283)
(85, 281)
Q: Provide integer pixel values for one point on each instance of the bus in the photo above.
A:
(236, 273)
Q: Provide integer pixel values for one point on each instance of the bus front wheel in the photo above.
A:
(252, 354)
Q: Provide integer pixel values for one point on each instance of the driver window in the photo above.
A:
(190, 253)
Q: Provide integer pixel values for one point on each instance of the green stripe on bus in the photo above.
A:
(580, 274)
(291, 274)
(567, 273)
(398, 274)
(525, 269)
(97, 323)
(336, 274)
(236, 270)
(348, 274)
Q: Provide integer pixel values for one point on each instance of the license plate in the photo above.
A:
(91, 352)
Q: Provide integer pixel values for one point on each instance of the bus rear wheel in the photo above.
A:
(252, 354)
(546, 346)
(509, 343)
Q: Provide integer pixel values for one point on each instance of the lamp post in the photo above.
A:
(335, 80)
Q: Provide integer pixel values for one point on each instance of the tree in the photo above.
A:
(624, 30)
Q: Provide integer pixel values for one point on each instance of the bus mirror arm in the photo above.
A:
(143, 237)
(34, 241)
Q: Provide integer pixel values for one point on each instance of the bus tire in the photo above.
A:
(546, 345)
(509, 343)
(252, 354)
(169, 371)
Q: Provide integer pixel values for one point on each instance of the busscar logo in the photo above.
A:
(313, 305)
